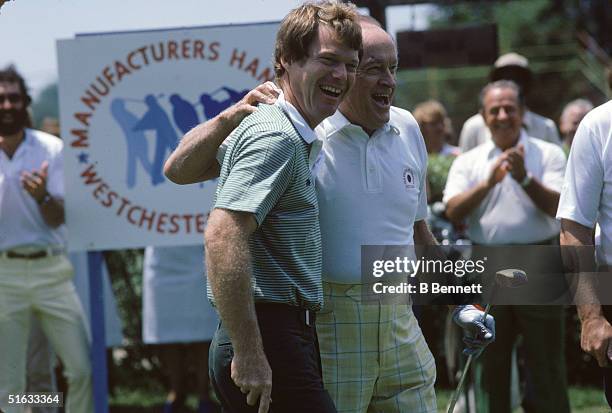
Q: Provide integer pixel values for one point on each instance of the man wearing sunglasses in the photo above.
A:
(35, 273)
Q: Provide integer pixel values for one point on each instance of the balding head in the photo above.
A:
(368, 103)
(570, 118)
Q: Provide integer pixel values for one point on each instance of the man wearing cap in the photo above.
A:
(35, 274)
(510, 66)
(507, 189)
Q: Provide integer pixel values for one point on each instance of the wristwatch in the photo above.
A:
(45, 199)
(526, 180)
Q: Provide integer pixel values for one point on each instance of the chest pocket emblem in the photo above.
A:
(409, 178)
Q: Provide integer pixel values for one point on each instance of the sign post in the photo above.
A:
(125, 100)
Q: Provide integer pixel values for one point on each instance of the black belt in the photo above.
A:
(287, 312)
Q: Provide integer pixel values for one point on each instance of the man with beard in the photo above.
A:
(35, 274)
(374, 356)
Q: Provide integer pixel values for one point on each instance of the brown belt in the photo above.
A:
(34, 255)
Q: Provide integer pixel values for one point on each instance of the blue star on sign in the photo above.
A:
(83, 157)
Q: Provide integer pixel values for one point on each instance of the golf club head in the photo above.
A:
(511, 278)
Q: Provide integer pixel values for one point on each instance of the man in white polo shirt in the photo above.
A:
(370, 187)
(35, 274)
(507, 189)
(510, 66)
(586, 198)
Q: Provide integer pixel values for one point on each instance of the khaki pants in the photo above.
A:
(42, 288)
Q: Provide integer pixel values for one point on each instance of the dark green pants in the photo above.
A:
(542, 328)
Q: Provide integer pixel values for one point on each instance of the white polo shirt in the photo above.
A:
(21, 223)
(371, 190)
(507, 215)
(586, 197)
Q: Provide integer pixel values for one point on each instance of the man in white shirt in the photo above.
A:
(35, 274)
(370, 183)
(508, 190)
(586, 199)
(510, 66)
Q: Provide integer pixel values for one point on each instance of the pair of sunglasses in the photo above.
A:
(11, 97)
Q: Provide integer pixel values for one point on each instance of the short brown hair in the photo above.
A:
(429, 111)
(299, 28)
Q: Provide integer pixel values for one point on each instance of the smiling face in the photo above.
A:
(13, 112)
(503, 115)
(369, 101)
(317, 84)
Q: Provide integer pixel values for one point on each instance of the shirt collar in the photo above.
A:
(523, 140)
(338, 121)
(296, 119)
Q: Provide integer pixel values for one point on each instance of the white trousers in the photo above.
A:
(42, 288)
(39, 366)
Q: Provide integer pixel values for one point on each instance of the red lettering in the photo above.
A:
(161, 222)
(200, 223)
(108, 75)
(237, 58)
(82, 141)
(266, 75)
(91, 177)
(103, 92)
(109, 199)
(172, 46)
(90, 100)
(100, 189)
(121, 70)
(252, 67)
(214, 48)
(83, 117)
(124, 202)
(185, 48)
(198, 49)
(149, 217)
(131, 62)
(175, 226)
(187, 218)
(129, 214)
(143, 52)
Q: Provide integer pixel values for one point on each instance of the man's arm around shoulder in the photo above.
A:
(194, 160)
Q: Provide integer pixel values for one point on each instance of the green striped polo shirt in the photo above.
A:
(265, 172)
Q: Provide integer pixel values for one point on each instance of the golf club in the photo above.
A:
(509, 278)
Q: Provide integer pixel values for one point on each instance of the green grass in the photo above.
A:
(582, 400)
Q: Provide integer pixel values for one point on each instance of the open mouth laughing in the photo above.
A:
(383, 99)
(331, 91)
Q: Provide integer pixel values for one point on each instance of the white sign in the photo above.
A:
(125, 101)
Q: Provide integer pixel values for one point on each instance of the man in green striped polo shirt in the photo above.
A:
(263, 244)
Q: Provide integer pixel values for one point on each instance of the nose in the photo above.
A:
(502, 114)
(339, 71)
(5, 103)
(388, 79)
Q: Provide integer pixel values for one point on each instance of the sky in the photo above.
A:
(29, 28)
